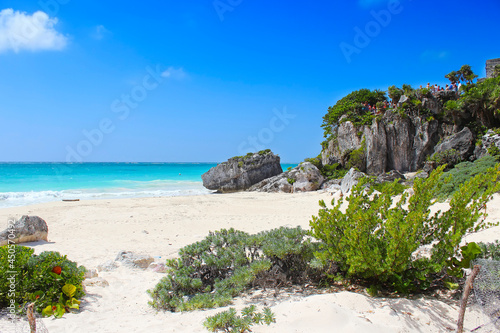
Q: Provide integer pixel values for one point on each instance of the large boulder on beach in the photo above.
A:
(241, 172)
(303, 178)
(26, 229)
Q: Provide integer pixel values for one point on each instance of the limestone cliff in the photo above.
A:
(399, 139)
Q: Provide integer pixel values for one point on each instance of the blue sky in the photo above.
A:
(204, 80)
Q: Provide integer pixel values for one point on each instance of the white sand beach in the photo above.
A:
(93, 232)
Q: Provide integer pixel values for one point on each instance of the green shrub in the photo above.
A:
(461, 173)
(291, 181)
(39, 279)
(451, 105)
(494, 151)
(490, 250)
(449, 157)
(229, 321)
(395, 94)
(375, 238)
(392, 189)
(264, 152)
(333, 171)
(211, 272)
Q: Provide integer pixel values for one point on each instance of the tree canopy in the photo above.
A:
(351, 106)
(464, 74)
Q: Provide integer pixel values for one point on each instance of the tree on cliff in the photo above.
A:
(351, 106)
(465, 74)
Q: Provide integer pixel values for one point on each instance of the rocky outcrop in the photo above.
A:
(390, 176)
(462, 143)
(488, 141)
(133, 260)
(26, 229)
(240, 173)
(350, 180)
(303, 178)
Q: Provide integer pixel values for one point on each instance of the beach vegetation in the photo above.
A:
(490, 250)
(394, 188)
(329, 171)
(449, 157)
(377, 237)
(48, 280)
(457, 265)
(230, 321)
(211, 272)
(461, 173)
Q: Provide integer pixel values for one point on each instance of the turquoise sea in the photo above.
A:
(29, 183)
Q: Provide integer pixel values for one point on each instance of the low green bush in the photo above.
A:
(49, 280)
(211, 272)
(490, 250)
(449, 157)
(462, 172)
(375, 238)
(392, 189)
(229, 321)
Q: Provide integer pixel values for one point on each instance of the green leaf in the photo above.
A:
(55, 276)
(471, 250)
(451, 285)
(69, 290)
(60, 311)
(73, 303)
(48, 311)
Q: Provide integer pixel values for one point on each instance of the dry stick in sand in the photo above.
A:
(465, 297)
(31, 317)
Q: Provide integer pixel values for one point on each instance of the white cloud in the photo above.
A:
(21, 31)
(174, 73)
(101, 32)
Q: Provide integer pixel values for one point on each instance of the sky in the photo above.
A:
(205, 80)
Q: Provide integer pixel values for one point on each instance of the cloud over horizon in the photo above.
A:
(174, 73)
(21, 31)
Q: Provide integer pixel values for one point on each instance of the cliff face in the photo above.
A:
(395, 140)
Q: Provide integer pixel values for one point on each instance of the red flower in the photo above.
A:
(37, 296)
(57, 270)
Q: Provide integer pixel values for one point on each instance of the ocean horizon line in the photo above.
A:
(94, 162)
